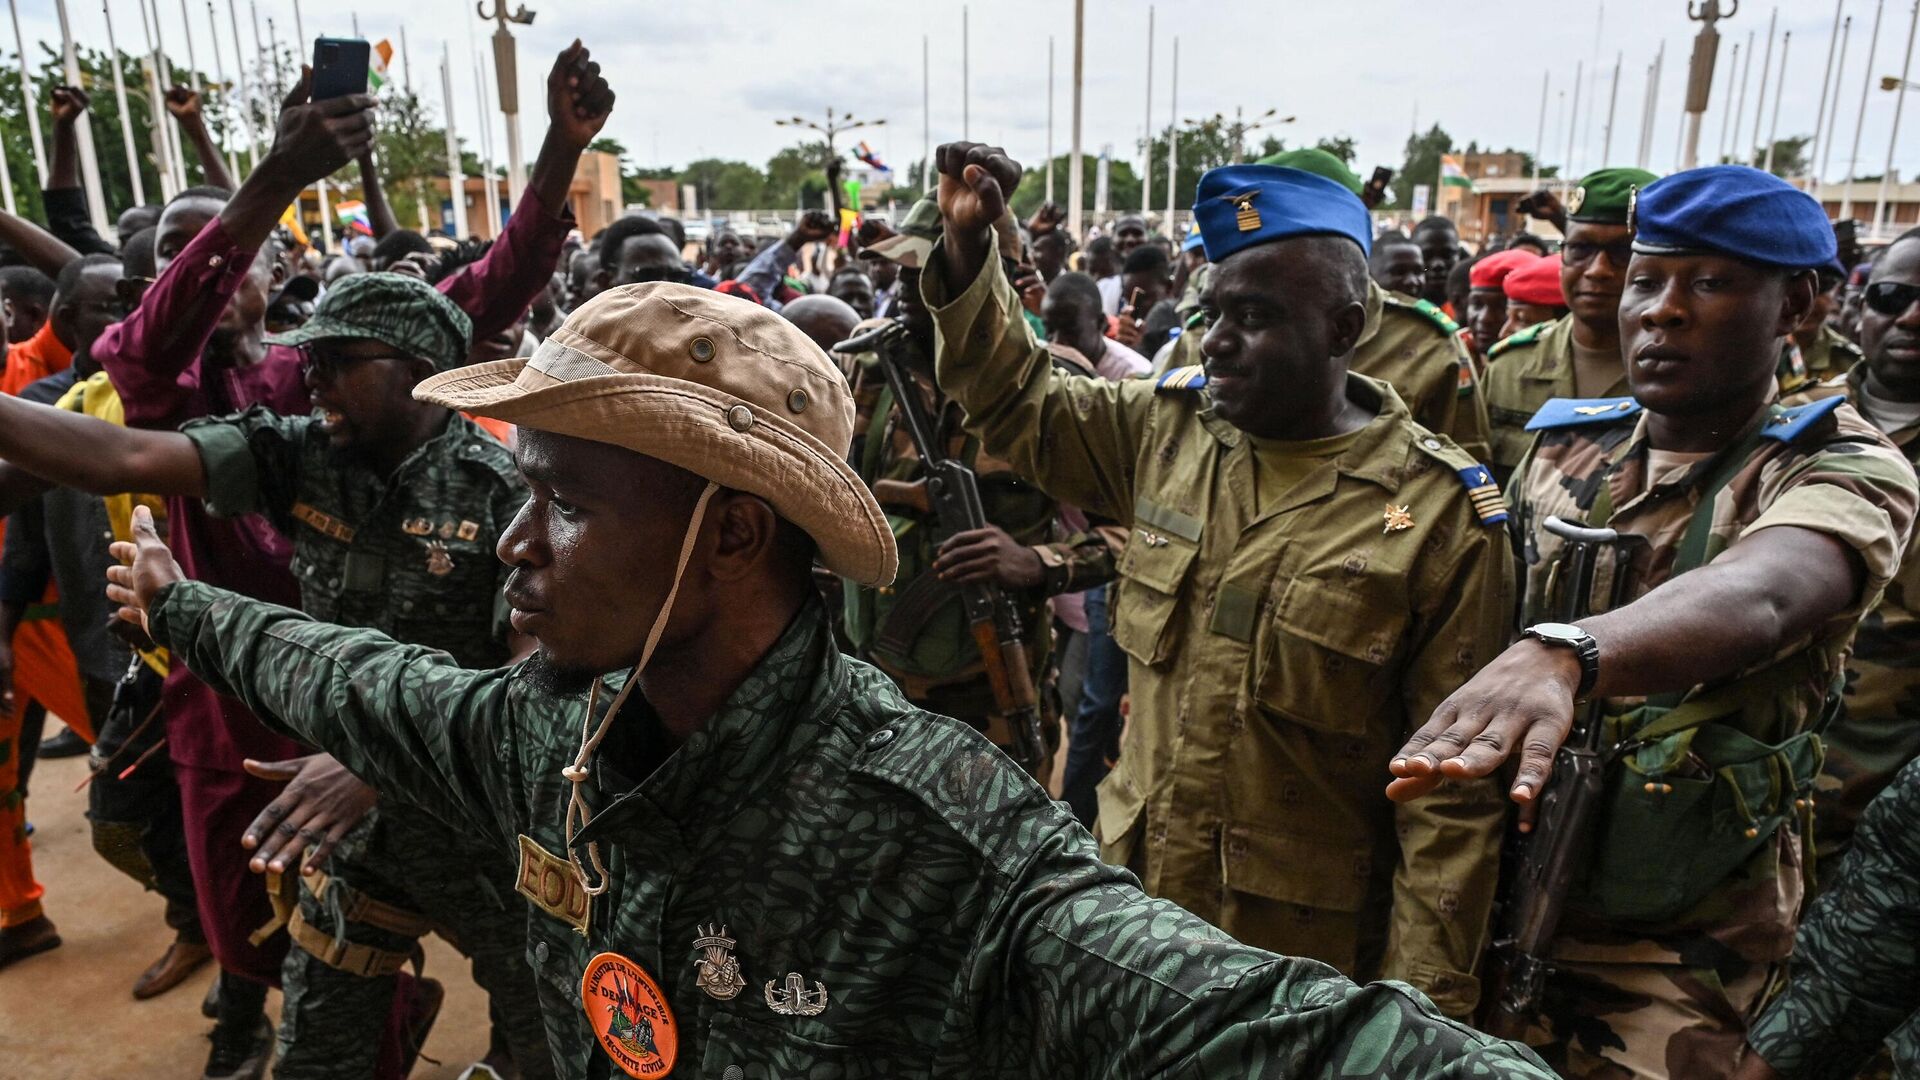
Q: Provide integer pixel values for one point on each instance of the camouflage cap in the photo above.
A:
(1604, 194)
(1319, 163)
(394, 309)
(914, 243)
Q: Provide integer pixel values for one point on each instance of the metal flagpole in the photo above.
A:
(156, 131)
(89, 164)
(193, 65)
(126, 121)
(1833, 113)
(1820, 113)
(320, 185)
(1049, 117)
(6, 185)
(456, 178)
(1146, 170)
(1540, 131)
(1740, 110)
(162, 116)
(1860, 121)
(226, 91)
(1613, 101)
(927, 182)
(1573, 120)
(246, 99)
(26, 93)
(1726, 114)
(1779, 91)
(1076, 179)
(1760, 102)
(966, 74)
(1173, 146)
(491, 184)
(1899, 100)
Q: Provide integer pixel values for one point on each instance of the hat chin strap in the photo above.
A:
(578, 815)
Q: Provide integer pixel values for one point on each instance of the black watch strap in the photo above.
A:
(1585, 649)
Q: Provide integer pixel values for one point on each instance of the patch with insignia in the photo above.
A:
(551, 884)
(630, 1016)
(468, 530)
(1576, 200)
(1568, 412)
(417, 526)
(1787, 425)
(1398, 519)
(1246, 217)
(324, 523)
(1488, 504)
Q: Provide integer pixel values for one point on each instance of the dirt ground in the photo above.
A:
(70, 1013)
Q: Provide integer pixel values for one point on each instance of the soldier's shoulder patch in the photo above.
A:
(1181, 378)
(1518, 339)
(550, 884)
(1488, 503)
(1574, 412)
(1427, 310)
(1788, 424)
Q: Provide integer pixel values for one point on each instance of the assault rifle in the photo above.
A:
(953, 496)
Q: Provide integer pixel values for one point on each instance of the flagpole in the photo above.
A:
(1049, 117)
(6, 185)
(1740, 109)
(126, 121)
(1076, 178)
(26, 93)
(83, 127)
(1540, 131)
(1760, 103)
(226, 92)
(164, 117)
(1613, 101)
(1173, 145)
(1899, 100)
(1780, 91)
(1146, 170)
(1726, 114)
(1860, 121)
(1833, 112)
(490, 186)
(156, 131)
(1820, 113)
(456, 179)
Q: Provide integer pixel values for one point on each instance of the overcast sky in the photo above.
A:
(707, 79)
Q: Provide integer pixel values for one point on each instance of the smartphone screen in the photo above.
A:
(339, 67)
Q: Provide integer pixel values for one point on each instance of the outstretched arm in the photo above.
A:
(379, 212)
(46, 252)
(95, 456)
(64, 202)
(184, 103)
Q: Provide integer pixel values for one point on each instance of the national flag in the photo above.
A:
(865, 153)
(352, 216)
(1453, 174)
(377, 65)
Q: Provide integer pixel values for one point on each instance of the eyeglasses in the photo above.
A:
(1892, 297)
(1617, 252)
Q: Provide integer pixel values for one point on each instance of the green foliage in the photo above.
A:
(1123, 183)
(1421, 166)
(797, 176)
(725, 185)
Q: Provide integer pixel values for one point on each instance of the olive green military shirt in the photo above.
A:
(956, 919)
(1277, 660)
(1525, 371)
(1828, 357)
(411, 553)
(1413, 346)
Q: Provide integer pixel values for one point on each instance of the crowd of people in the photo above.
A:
(973, 648)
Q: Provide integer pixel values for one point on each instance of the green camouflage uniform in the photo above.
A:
(1277, 660)
(413, 556)
(1828, 358)
(1673, 998)
(1525, 371)
(1413, 346)
(1878, 730)
(1855, 955)
(957, 919)
(934, 658)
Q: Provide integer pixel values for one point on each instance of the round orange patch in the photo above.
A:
(630, 1016)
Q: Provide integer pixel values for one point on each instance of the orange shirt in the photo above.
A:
(34, 359)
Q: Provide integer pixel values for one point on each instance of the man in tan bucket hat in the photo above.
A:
(771, 864)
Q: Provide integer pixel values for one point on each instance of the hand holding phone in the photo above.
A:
(339, 67)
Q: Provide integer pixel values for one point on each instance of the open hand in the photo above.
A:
(67, 103)
(322, 802)
(578, 98)
(147, 567)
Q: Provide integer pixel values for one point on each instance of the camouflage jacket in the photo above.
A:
(1879, 730)
(956, 920)
(1822, 468)
(1524, 372)
(1415, 348)
(1855, 955)
(1276, 659)
(1829, 357)
(411, 554)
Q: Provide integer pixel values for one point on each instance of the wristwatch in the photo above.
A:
(1572, 637)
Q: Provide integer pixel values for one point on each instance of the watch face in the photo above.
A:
(1557, 631)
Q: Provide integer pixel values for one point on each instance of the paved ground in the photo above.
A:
(69, 1012)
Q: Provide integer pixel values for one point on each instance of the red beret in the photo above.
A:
(1490, 272)
(1538, 282)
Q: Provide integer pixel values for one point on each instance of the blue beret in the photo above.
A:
(1733, 210)
(1194, 241)
(1239, 206)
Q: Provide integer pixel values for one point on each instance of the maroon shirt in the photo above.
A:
(163, 384)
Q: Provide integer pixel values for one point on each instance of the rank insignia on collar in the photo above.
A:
(1245, 217)
(794, 999)
(1596, 410)
(439, 563)
(446, 530)
(1398, 518)
(719, 968)
(417, 527)
(468, 530)
(630, 1016)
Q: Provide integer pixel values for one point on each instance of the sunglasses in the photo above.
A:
(1891, 297)
(1617, 252)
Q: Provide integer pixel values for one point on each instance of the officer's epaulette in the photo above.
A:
(1181, 378)
(1488, 504)
(1572, 412)
(1790, 423)
(1519, 337)
(1426, 308)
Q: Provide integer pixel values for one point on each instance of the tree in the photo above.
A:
(1789, 156)
(1123, 186)
(1340, 146)
(725, 185)
(1422, 166)
(797, 176)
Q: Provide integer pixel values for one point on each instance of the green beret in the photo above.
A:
(1603, 195)
(1319, 163)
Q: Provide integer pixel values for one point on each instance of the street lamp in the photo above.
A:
(1889, 82)
(507, 72)
(833, 127)
(1239, 128)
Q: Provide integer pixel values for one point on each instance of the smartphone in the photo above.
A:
(1376, 188)
(1133, 304)
(339, 67)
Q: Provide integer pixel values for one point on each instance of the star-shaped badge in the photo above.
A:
(1398, 518)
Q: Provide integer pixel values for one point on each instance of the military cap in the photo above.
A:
(1733, 210)
(1536, 282)
(1319, 163)
(1194, 241)
(1239, 206)
(913, 244)
(393, 309)
(1492, 271)
(1604, 195)
(711, 383)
